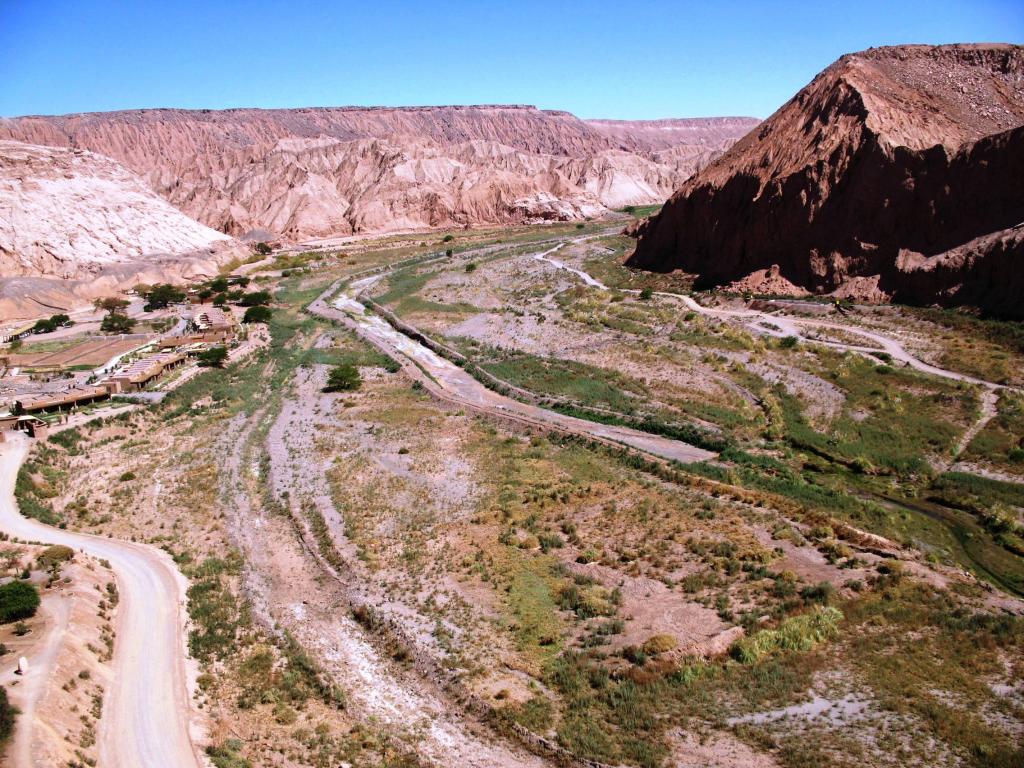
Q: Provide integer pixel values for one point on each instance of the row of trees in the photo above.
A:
(52, 323)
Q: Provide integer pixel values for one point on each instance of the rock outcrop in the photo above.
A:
(74, 224)
(896, 173)
(305, 173)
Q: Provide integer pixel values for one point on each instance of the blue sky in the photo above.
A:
(596, 59)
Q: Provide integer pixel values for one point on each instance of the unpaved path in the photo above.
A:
(57, 610)
(145, 719)
(989, 398)
(446, 380)
(791, 326)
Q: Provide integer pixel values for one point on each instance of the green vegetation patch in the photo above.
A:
(18, 600)
(797, 633)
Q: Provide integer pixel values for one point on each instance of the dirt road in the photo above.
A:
(57, 612)
(776, 325)
(145, 719)
(446, 379)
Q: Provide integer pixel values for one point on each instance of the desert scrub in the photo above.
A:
(31, 497)
(1001, 442)
(925, 655)
(218, 616)
(798, 633)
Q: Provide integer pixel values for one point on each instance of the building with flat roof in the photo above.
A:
(65, 399)
(138, 374)
(212, 319)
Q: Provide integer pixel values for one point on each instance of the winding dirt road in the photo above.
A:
(145, 720)
(448, 381)
(776, 325)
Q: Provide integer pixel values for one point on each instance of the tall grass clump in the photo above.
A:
(799, 633)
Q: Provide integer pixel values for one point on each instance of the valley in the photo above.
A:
(506, 436)
(523, 538)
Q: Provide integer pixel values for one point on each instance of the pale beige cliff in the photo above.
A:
(74, 225)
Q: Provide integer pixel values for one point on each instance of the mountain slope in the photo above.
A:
(314, 172)
(889, 158)
(74, 223)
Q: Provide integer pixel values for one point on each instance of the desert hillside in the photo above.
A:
(73, 223)
(314, 172)
(898, 173)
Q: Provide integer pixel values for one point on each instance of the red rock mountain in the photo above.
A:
(315, 172)
(897, 173)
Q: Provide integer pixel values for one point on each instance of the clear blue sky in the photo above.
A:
(597, 59)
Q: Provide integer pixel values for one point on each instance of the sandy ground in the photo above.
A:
(69, 667)
(146, 716)
(453, 382)
(281, 569)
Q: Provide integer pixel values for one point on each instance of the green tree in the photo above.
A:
(263, 249)
(647, 294)
(18, 600)
(343, 378)
(111, 304)
(116, 322)
(257, 315)
(471, 267)
(159, 296)
(214, 357)
(51, 324)
(254, 299)
(219, 284)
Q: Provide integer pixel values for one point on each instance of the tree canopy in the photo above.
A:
(258, 314)
(159, 296)
(214, 357)
(18, 600)
(343, 378)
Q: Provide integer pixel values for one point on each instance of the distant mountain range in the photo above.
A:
(96, 201)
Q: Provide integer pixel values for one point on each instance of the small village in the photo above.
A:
(123, 350)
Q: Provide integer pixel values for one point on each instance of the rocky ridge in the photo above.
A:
(305, 173)
(897, 173)
(75, 225)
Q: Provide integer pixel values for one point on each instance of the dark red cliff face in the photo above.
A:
(864, 164)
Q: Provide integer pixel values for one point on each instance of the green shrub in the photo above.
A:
(257, 314)
(53, 555)
(343, 378)
(18, 600)
(7, 714)
(254, 299)
(117, 322)
(799, 633)
(226, 755)
(214, 357)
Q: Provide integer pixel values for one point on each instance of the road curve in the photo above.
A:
(145, 720)
(446, 380)
(790, 326)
